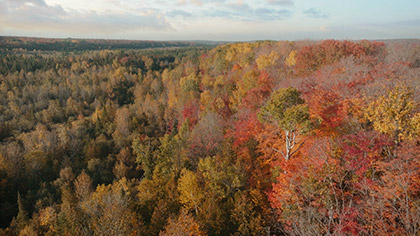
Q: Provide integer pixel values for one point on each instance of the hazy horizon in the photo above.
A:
(219, 20)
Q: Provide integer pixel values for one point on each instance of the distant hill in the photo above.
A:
(10, 43)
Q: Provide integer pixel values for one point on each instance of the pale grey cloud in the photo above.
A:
(281, 2)
(269, 14)
(241, 11)
(315, 13)
(129, 17)
(209, 19)
(175, 13)
(36, 14)
(22, 2)
(197, 2)
(188, 2)
(259, 14)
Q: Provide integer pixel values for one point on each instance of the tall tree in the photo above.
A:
(287, 110)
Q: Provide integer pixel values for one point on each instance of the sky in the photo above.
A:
(219, 20)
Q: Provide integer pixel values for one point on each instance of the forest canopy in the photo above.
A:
(254, 138)
(30, 44)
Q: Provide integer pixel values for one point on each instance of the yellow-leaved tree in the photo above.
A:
(190, 194)
(264, 61)
(184, 225)
(396, 115)
(291, 59)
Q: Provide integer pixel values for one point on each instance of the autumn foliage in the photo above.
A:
(262, 138)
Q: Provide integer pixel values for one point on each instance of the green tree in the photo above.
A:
(21, 219)
(288, 111)
(144, 151)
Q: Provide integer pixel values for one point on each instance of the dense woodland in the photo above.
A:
(262, 138)
(28, 44)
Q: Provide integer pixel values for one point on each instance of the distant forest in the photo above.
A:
(26, 44)
(187, 138)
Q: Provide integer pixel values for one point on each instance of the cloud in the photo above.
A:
(175, 13)
(31, 12)
(233, 10)
(26, 2)
(241, 11)
(239, 5)
(188, 2)
(315, 13)
(219, 13)
(145, 19)
(260, 14)
(32, 15)
(271, 14)
(114, 2)
(281, 2)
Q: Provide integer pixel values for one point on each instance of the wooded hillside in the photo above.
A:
(280, 138)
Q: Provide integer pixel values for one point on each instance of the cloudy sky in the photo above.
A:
(232, 20)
